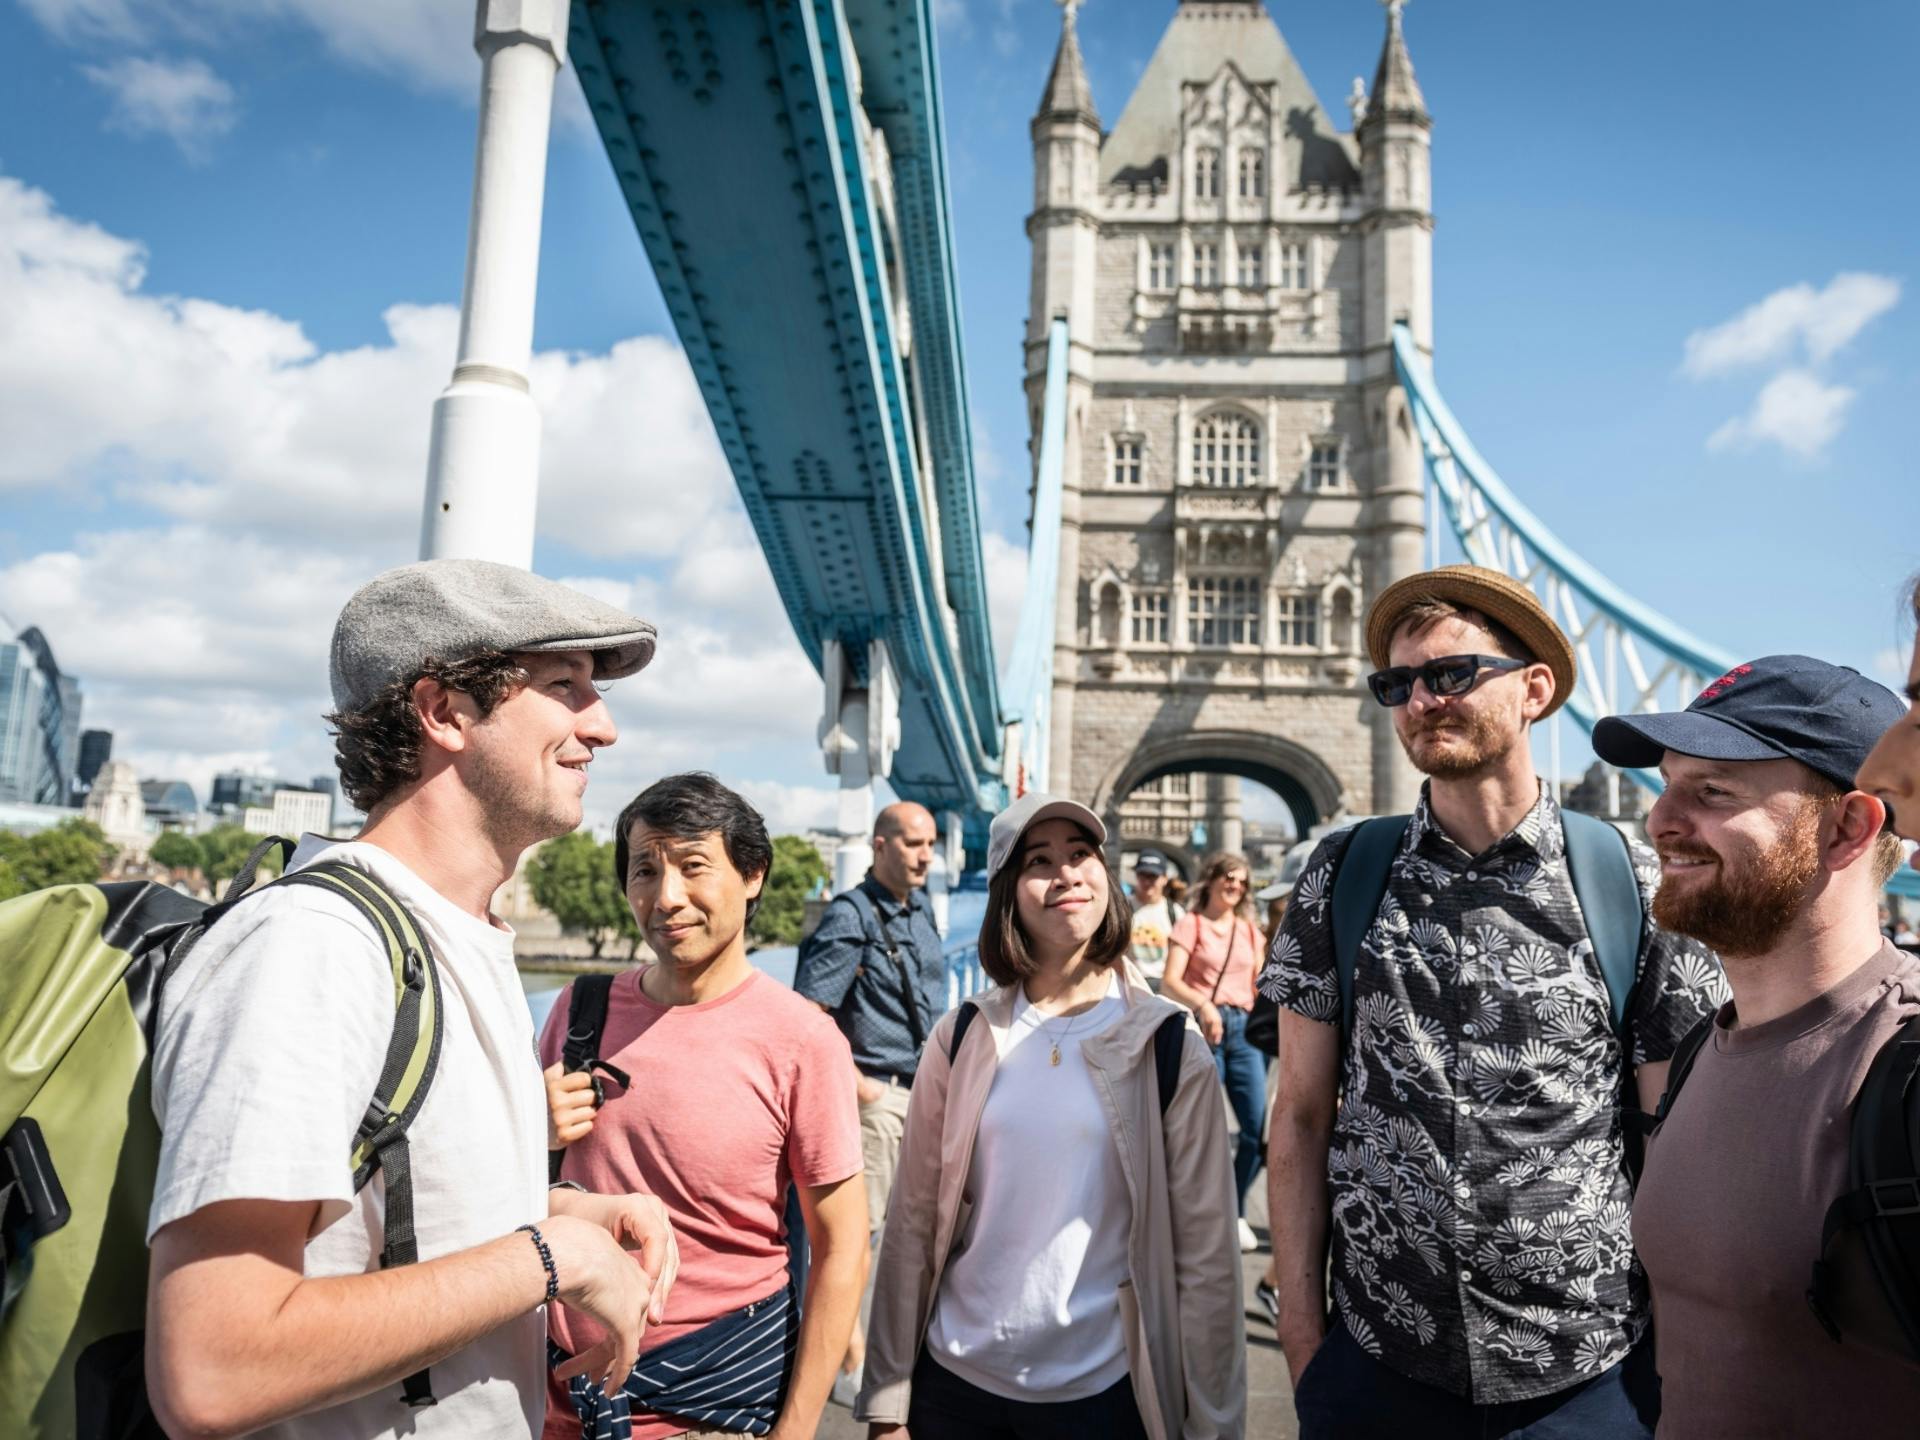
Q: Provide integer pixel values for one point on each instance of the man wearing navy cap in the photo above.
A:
(1769, 854)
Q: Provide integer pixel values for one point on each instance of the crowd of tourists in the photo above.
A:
(1564, 1137)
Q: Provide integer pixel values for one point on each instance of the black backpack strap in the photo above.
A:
(1678, 1068)
(1359, 885)
(1884, 1203)
(413, 1054)
(1169, 1047)
(586, 1020)
(961, 1020)
(872, 921)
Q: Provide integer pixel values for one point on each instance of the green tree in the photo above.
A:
(10, 885)
(797, 869)
(176, 850)
(224, 849)
(74, 852)
(573, 878)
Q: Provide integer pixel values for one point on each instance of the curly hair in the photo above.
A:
(378, 746)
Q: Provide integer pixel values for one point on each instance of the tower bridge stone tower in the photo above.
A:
(1241, 470)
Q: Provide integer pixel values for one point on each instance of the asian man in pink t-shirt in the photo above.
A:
(736, 1088)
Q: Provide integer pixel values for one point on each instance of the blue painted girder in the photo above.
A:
(731, 131)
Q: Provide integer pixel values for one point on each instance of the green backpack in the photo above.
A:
(82, 968)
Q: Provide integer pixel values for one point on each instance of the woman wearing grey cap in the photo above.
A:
(1059, 1255)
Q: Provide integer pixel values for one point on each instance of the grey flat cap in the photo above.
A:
(451, 610)
(1003, 836)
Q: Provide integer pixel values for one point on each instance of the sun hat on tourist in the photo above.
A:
(451, 610)
(1003, 838)
(1827, 717)
(1498, 597)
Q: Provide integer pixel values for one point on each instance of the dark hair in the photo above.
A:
(1004, 952)
(377, 747)
(689, 806)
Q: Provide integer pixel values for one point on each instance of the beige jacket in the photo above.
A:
(1186, 1347)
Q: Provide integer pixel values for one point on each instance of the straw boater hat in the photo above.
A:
(1494, 595)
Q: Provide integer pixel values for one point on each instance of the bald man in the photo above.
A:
(875, 964)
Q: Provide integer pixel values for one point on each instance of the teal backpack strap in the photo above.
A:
(1601, 868)
(413, 1054)
(1359, 884)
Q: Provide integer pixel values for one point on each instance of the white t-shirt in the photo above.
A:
(1029, 1308)
(271, 1039)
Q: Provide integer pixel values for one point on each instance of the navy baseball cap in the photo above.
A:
(1827, 717)
(1150, 863)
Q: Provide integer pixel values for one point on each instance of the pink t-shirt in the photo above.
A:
(731, 1099)
(1208, 949)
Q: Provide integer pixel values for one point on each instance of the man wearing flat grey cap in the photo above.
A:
(466, 715)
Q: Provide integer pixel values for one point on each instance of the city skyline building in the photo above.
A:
(96, 749)
(39, 721)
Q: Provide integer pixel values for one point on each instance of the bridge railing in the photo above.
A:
(1027, 685)
(1631, 658)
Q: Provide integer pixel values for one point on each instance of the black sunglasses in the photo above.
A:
(1448, 675)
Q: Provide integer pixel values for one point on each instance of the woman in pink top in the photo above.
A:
(1213, 955)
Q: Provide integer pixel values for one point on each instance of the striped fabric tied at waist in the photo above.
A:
(728, 1375)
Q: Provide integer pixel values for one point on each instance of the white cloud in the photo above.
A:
(1822, 322)
(74, 21)
(1006, 567)
(180, 99)
(951, 19)
(257, 479)
(1795, 410)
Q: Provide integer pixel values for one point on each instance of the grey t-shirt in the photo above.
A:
(1727, 1222)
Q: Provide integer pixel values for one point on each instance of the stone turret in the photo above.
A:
(1065, 231)
(1395, 136)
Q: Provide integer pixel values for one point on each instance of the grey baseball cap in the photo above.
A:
(1003, 838)
(450, 610)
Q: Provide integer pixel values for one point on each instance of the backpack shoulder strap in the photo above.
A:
(586, 1019)
(961, 1021)
(413, 1054)
(1884, 1201)
(1601, 868)
(1359, 884)
(1681, 1066)
(1169, 1046)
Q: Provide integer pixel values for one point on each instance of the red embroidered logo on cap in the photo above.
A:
(1723, 684)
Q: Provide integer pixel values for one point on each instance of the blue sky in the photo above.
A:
(230, 234)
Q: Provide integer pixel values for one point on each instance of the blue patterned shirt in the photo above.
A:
(844, 965)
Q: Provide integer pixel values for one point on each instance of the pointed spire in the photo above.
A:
(1068, 95)
(1396, 94)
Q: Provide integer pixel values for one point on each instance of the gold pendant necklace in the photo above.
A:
(1054, 1044)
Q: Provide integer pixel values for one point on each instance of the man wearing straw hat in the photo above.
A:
(1479, 985)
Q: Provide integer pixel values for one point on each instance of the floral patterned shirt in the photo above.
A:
(1479, 1199)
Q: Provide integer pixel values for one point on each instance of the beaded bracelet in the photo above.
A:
(546, 1259)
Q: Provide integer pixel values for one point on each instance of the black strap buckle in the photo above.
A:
(1895, 1197)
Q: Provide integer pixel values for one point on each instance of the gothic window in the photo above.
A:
(1250, 257)
(1323, 465)
(1206, 173)
(1149, 618)
(1160, 266)
(1299, 622)
(1293, 266)
(1126, 461)
(1223, 610)
(1206, 264)
(1253, 174)
(1226, 449)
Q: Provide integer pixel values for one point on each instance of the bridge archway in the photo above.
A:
(1306, 783)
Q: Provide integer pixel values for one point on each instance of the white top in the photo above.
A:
(1029, 1307)
(271, 1040)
